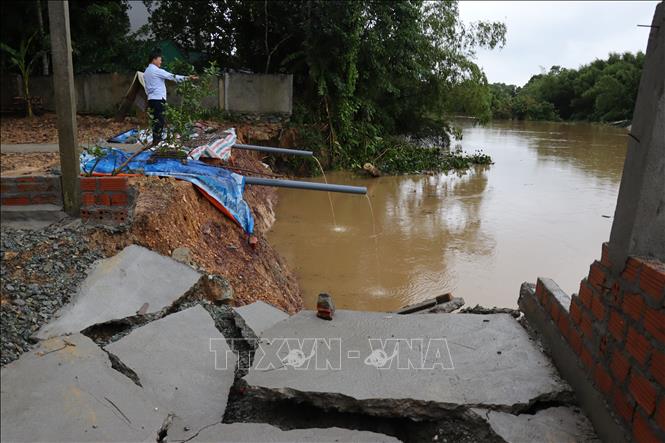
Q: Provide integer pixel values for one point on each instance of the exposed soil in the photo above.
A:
(170, 214)
(43, 128)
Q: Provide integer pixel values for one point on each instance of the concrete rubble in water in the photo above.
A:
(118, 287)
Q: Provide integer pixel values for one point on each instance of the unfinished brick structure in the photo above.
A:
(616, 328)
(31, 190)
(105, 200)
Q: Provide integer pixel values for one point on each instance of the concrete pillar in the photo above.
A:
(65, 104)
(639, 218)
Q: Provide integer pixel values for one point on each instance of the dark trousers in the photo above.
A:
(157, 110)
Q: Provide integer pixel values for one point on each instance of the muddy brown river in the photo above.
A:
(543, 209)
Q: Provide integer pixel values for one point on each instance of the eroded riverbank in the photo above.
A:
(542, 208)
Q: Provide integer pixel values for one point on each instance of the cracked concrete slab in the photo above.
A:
(263, 433)
(556, 424)
(65, 390)
(174, 363)
(258, 317)
(395, 365)
(119, 286)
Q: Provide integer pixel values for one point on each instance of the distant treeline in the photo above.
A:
(604, 90)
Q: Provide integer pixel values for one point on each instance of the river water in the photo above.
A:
(543, 209)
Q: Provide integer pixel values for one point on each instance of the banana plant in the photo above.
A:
(19, 58)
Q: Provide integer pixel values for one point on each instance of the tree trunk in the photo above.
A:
(26, 93)
(40, 20)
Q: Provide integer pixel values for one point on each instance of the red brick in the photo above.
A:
(654, 323)
(660, 414)
(585, 294)
(597, 307)
(631, 270)
(633, 305)
(89, 183)
(102, 200)
(575, 312)
(619, 366)
(642, 432)
(555, 310)
(643, 391)
(652, 281)
(31, 179)
(586, 358)
(597, 276)
(119, 199)
(622, 405)
(87, 198)
(658, 367)
(638, 346)
(541, 293)
(617, 326)
(34, 187)
(113, 184)
(15, 201)
(42, 199)
(564, 325)
(575, 340)
(605, 256)
(602, 379)
(586, 325)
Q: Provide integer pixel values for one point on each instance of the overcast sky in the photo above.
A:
(568, 34)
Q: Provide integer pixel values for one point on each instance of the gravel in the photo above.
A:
(41, 270)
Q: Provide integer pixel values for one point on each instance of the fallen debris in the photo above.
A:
(486, 311)
(444, 303)
(453, 354)
(70, 392)
(181, 362)
(372, 170)
(260, 432)
(119, 286)
(556, 424)
(256, 317)
(325, 307)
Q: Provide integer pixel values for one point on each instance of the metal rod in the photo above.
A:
(270, 150)
(310, 186)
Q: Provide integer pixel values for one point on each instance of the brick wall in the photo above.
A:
(106, 200)
(31, 190)
(616, 327)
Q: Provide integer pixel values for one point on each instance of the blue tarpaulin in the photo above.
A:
(220, 185)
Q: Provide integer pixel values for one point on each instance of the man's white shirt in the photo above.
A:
(155, 81)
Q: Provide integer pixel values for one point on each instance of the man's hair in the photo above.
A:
(154, 54)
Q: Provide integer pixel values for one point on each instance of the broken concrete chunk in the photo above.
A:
(65, 390)
(551, 424)
(119, 286)
(412, 366)
(263, 433)
(258, 317)
(183, 363)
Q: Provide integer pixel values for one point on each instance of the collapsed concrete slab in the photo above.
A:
(411, 366)
(118, 287)
(258, 317)
(263, 433)
(180, 361)
(551, 424)
(65, 390)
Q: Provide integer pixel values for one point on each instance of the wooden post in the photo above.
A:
(65, 104)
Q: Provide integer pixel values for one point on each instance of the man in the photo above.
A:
(155, 86)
